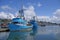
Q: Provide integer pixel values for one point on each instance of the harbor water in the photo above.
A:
(51, 32)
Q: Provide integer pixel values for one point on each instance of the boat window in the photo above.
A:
(14, 22)
(17, 23)
(28, 24)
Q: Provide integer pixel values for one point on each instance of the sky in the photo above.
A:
(46, 10)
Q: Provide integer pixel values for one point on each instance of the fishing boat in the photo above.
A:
(19, 23)
(34, 23)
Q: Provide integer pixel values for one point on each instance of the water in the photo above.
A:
(39, 33)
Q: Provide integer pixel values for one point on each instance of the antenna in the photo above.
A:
(21, 14)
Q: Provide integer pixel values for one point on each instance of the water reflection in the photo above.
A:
(49, 30)
(34, 31)
(17, 35)
(22, 35)
(38, 33)
(58, 36)
(4, 35)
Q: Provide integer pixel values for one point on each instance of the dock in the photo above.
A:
(4, 29)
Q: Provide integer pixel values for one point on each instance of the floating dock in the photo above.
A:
(4, 29)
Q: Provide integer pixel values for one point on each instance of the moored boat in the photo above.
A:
(19, 24)
(34, 23)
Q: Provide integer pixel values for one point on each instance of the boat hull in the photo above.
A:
(34, 23)
(14, 27)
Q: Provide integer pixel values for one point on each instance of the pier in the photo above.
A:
(4, 29)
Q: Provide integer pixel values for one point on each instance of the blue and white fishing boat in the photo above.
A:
(19, 23)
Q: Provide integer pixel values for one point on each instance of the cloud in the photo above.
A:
(5, 7)
(7, 13)
(57, 13)
(39, 4)
(4, 15)
(43, 18)
(55, 18)
(29, 12)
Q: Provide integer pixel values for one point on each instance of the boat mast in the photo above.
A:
(21, 14)
(33, 17)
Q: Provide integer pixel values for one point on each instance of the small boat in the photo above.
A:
(19, 24)
(42, 24)
(4, 27)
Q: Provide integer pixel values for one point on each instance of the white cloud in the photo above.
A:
(57, 13)
(7, 14)
(39, 4)
(5, 7)
(43, 18)
(4, 15)
(55, 18)
(29, 12)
